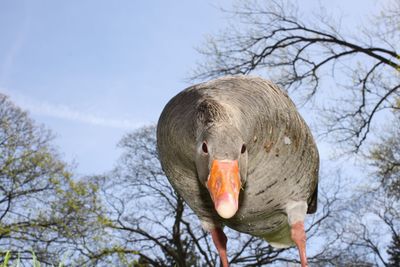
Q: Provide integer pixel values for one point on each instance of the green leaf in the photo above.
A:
(6, 259)
(35, 262)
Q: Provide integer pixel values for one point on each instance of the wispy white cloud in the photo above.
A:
(16, 45)
(62, 111)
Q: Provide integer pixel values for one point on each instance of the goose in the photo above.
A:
(239, 153)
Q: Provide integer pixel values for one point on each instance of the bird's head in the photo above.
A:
(221, 162)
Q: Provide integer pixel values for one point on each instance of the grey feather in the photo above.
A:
(283, 159)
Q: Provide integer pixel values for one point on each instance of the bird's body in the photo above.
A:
(281, 156)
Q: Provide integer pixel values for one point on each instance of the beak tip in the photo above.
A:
(226, 209)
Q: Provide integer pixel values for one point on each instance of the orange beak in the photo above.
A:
(224, 186)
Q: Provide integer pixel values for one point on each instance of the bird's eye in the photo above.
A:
(243, 149)
(204, 147)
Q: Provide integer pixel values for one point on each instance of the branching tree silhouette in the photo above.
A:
(301, 54)
(385, 157)
(42, 208)
(152, 226)
(133, 217)
(355, 77)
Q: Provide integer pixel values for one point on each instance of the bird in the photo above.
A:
(240, 154)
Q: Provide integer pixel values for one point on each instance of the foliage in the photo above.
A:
(17, 263)
(133, 217)
(152, 225)
(354, 80)
(394, 251)
(6, 259)
(385, 157)
(42, 207)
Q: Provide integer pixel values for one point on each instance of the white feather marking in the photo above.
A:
(296, 211)
(287, 141)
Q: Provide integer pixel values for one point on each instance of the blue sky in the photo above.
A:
(94, 70)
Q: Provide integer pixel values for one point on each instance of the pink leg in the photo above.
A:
(220, 241)
(299, 238)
